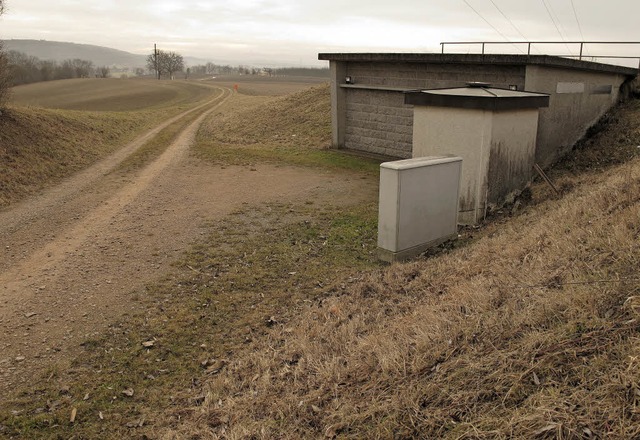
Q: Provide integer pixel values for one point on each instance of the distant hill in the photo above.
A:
(59, 51)
(99, 55)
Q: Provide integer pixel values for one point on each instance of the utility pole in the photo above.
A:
(155, 60)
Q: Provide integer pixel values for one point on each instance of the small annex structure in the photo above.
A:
(369, 112)
(493, 131)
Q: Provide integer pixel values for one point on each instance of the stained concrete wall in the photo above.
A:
(371, 116)
(577, 100)
(512, 153)
(497, 148)
(433, 76)
(465, 133)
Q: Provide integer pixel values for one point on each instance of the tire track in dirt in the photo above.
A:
(51, 254)
(25, 212)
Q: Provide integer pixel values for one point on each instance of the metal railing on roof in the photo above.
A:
(529, 44)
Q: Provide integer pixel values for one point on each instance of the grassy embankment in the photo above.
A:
(281, 324)
(54, 129)
(530, 329)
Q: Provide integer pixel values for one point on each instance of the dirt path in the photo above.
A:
(73, 257)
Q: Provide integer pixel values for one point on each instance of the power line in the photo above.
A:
(492, 26)
(575, 14)
(555, 24)
(564, 31)
(508, 19)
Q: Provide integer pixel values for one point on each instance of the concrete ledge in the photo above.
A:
(436, 58)
(393, 257)
(369, 87)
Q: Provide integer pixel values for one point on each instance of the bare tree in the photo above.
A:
(4, 79)
(153, 64)
(82, 68)
(103, 72)
(165, 63)
(173, 63)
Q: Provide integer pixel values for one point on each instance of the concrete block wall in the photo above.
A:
(378, 122)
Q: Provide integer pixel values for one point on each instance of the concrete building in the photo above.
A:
(369, 113)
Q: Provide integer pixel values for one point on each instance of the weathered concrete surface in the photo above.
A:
(378, 122)
(370, 115)
(578, 98)
(497, 148)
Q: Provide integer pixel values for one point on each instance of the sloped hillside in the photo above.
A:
(40, 146)
(531, 330)
(276, 121)
(60, 51)
(294, 129)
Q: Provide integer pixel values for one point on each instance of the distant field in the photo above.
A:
(94, 94)
(266, 86)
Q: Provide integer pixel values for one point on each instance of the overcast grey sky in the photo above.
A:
(292, 32)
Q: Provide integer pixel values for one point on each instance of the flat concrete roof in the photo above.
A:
(484, 98)
(438, 58)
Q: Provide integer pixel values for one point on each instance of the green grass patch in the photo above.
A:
(239, 155)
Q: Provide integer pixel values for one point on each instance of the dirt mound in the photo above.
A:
(280, 121)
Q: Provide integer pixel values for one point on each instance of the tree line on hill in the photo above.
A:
(20, 68)
(26, 69)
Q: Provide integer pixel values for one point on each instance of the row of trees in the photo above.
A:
(214, 69)
(168, 64)
(26, 69)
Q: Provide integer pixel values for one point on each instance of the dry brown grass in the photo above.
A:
(278, 121)
(293, 129)
(531, 332)
(40, 146)
(528, 330)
